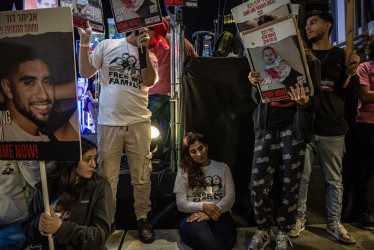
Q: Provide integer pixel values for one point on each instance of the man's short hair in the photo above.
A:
(14, 52)
(324, 15)
(55, 49)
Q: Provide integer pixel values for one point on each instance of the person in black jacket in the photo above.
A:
(282, 129)
(81, 206)
(338, 81)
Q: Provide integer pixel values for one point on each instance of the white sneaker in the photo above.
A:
(297, 229)
(338, 231)
(261, 239)
(283, 241)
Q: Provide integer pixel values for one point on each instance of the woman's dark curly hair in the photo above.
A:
(63, 177)
(188, 165)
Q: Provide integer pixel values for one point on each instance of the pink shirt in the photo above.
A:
(365, 110)
(162, 87)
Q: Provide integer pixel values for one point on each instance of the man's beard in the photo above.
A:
(316, 38)
(29, 115)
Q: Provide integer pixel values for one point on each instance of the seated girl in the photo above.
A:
(205, 191)
(81, 206)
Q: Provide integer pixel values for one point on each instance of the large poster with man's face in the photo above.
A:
(38, 94)
(135, 14)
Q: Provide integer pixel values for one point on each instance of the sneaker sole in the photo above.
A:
(263, 247)
(341, 240)
(297, 235)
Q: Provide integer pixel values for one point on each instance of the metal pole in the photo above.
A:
(176, 64)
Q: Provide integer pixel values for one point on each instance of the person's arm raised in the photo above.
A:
(86, 70)
(149, 74)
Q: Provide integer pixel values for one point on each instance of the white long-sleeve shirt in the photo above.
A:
(218, 188)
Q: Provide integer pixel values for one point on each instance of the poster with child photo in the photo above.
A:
(275, 50)
(83, 10)
(135, 14)
(254, 13)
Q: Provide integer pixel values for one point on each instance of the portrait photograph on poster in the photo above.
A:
(38, 94)
(276, 51)
(135, 14)
(254, 13)
(83, 10)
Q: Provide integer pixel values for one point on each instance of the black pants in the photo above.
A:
(365, 137)
(277, 150)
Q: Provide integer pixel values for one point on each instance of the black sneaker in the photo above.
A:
(146, 233)
(367, 221)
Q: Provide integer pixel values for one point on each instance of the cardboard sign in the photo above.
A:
(83, 10)
(38, 100)
(276, 51)
(180, 3)
(135, 14)
(39, 4)
(255, 13)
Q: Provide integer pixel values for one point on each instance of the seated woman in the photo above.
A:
(205, 190)
(81, 206)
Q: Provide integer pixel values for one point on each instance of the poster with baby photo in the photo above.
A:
(84, 10)
(135, 14)
(276, 52)
(255, 13)
(38, 89)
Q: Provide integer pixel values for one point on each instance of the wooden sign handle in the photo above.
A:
(349, 26)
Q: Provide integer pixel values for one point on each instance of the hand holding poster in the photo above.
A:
(135, 14)
(38, 86)
(275, 51)
(84, 10)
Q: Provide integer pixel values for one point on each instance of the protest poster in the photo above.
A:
(180, 3)
(38, 94)
(254, 13)
(135, 14)
(39, 4)
(83, 10)
(276, 51)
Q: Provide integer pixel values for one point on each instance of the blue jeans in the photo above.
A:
(11, 236)
(209, 234)
(330, 151)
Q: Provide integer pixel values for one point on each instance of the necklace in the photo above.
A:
(326, 56)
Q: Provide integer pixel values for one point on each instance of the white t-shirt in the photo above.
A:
(12, 132)
(123, 101)
(218, 188)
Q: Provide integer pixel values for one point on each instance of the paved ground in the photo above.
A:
(313, 238)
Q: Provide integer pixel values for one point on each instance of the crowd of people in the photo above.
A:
(288, 135)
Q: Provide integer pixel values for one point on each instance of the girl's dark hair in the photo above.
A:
(370, 48)
(63, 177)
(188, 165)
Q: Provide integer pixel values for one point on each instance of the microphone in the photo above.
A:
(142, 52)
